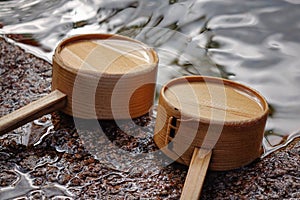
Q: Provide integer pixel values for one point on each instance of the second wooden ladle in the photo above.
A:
(209, 122)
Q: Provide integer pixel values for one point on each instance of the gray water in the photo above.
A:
(252, 42)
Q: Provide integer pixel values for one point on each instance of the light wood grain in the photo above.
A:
(214, 100)
(196, 174)
(52, 102)
(111, 56)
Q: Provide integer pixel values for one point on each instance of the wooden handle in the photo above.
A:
(196, 174)
(52, 102)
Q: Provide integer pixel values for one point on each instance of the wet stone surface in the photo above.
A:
(51, 158)
(277, 176)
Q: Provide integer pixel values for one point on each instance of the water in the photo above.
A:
(252, 42)
(23, 188)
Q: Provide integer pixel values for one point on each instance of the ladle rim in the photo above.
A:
(190, 117)
(89, 73)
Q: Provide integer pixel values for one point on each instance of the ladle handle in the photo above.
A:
(52, 102)
(196, 174)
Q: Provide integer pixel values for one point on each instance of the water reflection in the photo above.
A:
(23, 188)
(245, 41)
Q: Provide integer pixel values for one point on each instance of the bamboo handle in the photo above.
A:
(196, 174)
(52, 102)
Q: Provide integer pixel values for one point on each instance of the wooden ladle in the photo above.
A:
(95, 76)
(208, 122)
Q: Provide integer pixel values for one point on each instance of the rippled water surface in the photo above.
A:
(254, 42)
